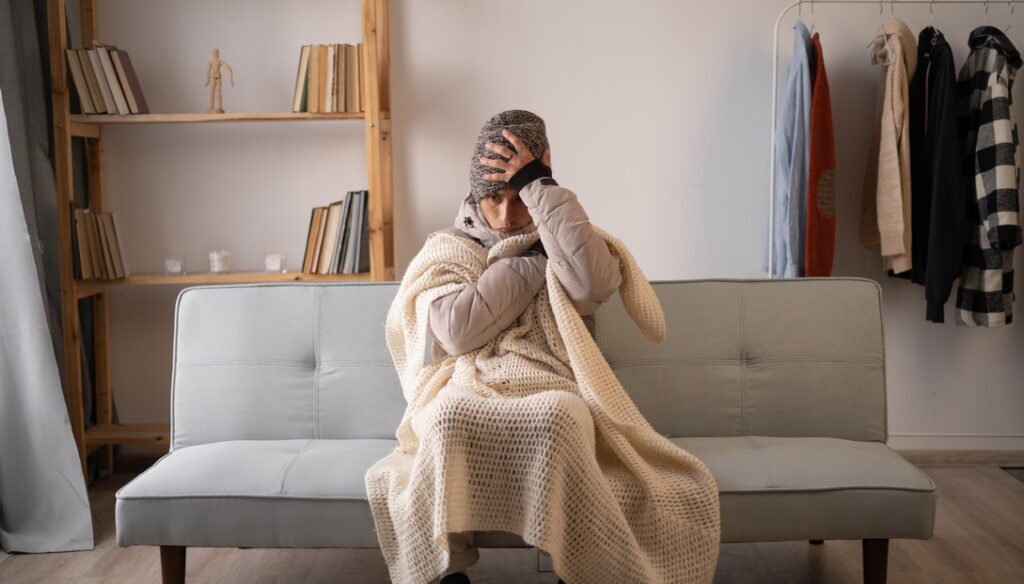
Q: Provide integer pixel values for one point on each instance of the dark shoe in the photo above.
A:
(456, 578)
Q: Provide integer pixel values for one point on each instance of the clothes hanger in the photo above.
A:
(1012, 5)
(800, 14)
(881, 28)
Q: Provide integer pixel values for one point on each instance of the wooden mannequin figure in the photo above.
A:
(213, 72)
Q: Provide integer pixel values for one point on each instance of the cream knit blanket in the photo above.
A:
(533, 434)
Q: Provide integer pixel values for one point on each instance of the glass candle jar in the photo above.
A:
(220, 261)
(174, 265)
(274, 263)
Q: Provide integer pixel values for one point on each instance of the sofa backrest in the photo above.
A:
(283, 360)
(768, 357)
(309, 360)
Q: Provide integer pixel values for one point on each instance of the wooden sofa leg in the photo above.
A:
(172, 564)
(876, 560)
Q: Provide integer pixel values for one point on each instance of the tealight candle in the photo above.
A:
(274, 262)
(174, 265)
(220, 261)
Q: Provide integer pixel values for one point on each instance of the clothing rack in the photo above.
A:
(775, 83)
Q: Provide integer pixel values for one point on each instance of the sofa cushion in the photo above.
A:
(777, 357)
(311, 493)
(254, 493)
(778, 489)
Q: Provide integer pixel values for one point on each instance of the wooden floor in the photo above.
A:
(979, 538)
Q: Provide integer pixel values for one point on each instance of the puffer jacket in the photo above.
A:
(469, 318)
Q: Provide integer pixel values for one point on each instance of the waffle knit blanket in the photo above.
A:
(533, 434)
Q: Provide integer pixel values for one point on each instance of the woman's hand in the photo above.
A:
(516, 160)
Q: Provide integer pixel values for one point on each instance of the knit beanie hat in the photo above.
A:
(528, 126)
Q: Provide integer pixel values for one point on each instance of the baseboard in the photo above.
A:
(956, 441)
(1007, 458)
(932, 448)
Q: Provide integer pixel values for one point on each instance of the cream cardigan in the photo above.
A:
(885, 207)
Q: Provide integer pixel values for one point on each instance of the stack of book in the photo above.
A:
(339, 237)
(330, 79)
(97, 252)
(105, 81)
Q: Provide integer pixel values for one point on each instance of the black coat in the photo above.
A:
(937, 207)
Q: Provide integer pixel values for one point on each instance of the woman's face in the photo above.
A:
(505, 211)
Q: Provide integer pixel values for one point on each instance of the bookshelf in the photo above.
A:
(376, 119)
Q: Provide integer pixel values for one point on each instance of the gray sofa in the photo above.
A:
(283, 394)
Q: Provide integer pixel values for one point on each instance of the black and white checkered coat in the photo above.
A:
(991, 164)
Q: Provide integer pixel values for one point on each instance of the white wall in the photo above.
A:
(658, 115)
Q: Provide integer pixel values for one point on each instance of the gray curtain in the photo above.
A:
(44, 506)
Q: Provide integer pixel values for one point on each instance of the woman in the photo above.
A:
(513, 192)
(521, 198)
(519, 424)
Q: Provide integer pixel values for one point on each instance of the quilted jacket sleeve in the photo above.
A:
(467, 319)
(584, 265)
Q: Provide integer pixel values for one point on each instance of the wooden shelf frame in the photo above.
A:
(107, 434)
(87, 288)
(186, 118)
(67, 126)
(88, 125)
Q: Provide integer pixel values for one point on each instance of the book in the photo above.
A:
(130, 81)
(107, 239)
(314, 224)
(96, 255)
(117, 251)
(107, 259)
(364, 237)
(332, 98)
(101, 81)
(339, 81)
(314, 78)
(91, 82)
(354, 221)
(115, 255)
(319, 240)
(78, 78)
(299, 99)
(359, 106)
(111, 75)
(82, 238)
(121, 248)
(79, 260)
(339, 246)
(331, 231)
(340, 76)
(133, 106)
(351, 78)
(322, 82)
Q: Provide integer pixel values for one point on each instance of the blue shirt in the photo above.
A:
(789, 193)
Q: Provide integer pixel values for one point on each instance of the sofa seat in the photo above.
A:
(299, 493)
(254, 493)
(786, 488)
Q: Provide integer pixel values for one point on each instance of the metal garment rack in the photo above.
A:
(775, 84)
